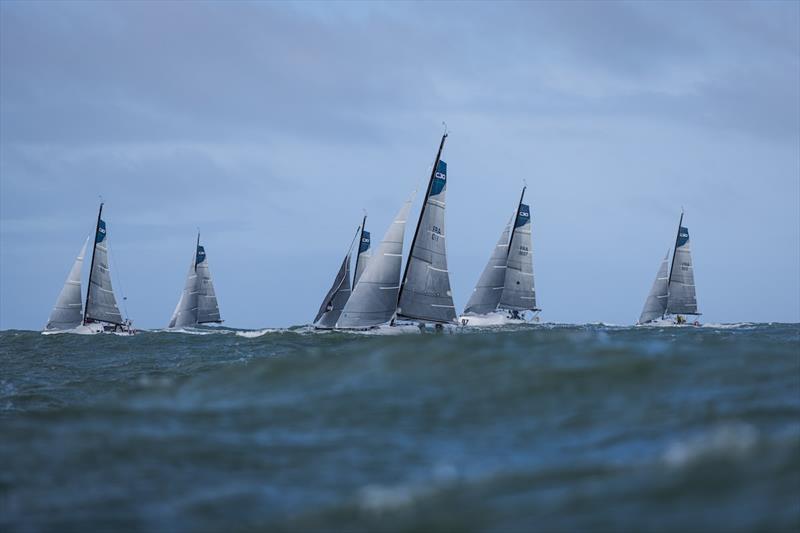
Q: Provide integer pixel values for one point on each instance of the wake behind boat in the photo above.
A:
(101, 313)
(673, 293)
(505, 292)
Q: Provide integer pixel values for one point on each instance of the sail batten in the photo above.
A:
(425, 293)
(374, 299)
(67, 312)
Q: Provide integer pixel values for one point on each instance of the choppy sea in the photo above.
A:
(526, 428)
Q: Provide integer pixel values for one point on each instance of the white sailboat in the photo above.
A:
(425, 296)
(505, 292)
(101, 313)
(672, 296)
(198, 302)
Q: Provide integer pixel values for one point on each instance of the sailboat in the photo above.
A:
(425, 295)
(334, 302)
(505, 290)
(100, 314)
(198, 302)
(673, 295)
(373, 301)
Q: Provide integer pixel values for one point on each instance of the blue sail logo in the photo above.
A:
(439, 178)
(101, 232)
(201, 255)
(683, 236)
(523, 215)
(365, 241)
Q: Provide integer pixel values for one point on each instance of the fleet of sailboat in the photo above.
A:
(379, 292)
(101, 313)
(673, 295)
(198, 302)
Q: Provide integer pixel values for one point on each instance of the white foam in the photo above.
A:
(728, 440)
(252, 334)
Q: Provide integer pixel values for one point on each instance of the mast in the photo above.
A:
(358, 247)
(421, 214)
(672, 265)
(514, 225)
(197, 247)
(91, 267)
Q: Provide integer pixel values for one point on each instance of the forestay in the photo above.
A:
(519, 293)
(374, 298)
(67, 312)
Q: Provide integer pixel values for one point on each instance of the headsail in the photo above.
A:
(207, 306)
(682, 298)
(519, 293)
(656, 303)
(67, 312)
(425, 292)
(101, 305)
(186, 311)
(489, 289)
(374, 298)
(337, 297)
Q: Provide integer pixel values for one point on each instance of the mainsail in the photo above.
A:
(67, 312)
(489, 289)
(656, 304)
(207, 306)
(682, 298)
(374, 298)
(425, 292)
(101, 305)
(198, 302)
(519, 293)
(337, 297)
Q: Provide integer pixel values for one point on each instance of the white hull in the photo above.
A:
(668, 323)
(498, 318)
(93, 328)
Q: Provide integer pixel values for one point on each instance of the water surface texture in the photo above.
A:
(524, 428)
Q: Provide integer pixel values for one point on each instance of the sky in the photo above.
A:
(272, 126)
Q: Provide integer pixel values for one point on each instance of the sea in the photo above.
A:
(549, 427)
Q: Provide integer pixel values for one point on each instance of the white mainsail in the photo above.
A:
(374, 298)
(101, 305)
(425, 293)
(682, 298)
(519, 293)
(67, 312)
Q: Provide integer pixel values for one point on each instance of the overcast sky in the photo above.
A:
(271, 126)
